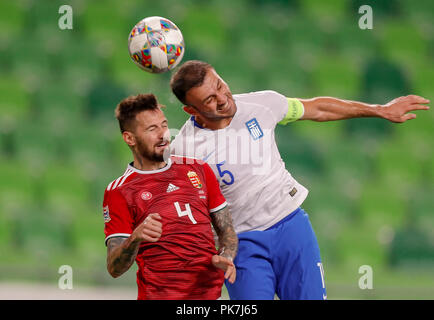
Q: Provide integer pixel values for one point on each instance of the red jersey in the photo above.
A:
(178, 265)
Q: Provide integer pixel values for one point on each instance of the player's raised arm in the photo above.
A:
(121, 252)
(228, 241)
(329, 109)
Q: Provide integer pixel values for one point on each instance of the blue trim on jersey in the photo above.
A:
(192, 118)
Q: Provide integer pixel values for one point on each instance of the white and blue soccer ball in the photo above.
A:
(156, 44)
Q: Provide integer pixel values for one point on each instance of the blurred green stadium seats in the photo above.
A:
(15, 101)
(12, 18)
(370, 181)
(36, 145)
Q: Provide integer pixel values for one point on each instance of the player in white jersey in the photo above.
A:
(245, 157)
(278, 250)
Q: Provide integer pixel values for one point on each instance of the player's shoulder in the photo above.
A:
(257, 96)
(120, 181)
(262, 104)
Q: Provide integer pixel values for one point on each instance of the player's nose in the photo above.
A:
(221, 100)
(162, 133)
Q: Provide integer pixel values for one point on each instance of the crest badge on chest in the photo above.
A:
(194, 179)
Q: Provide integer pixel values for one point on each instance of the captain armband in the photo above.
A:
(295, 111)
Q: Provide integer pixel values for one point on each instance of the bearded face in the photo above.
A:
(150, 138)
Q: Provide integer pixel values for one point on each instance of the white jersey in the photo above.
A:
(246, 161)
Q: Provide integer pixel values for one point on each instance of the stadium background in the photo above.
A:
(371, 182)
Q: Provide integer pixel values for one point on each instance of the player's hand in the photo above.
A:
(226, 265)
(396, 110)
(149, 230)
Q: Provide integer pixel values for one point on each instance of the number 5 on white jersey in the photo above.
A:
(186, 212)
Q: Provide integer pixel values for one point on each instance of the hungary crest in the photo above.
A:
(194, 179)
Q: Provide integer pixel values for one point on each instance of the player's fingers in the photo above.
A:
(152, 217)
(228, 271)
(151, 233)
(233, 276)
(408, 116)
(221, 262)
(155, 216)
(155, 223)
(151, 220)
(418, 107)
(230, 274)
(153, 228)
(148, 235)
(150, 239)
(150, 223)
(217, 262)
(417, 99)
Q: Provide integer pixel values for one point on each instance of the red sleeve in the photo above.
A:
(216, 200)
(117, 218)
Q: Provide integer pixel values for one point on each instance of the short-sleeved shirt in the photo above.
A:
(178, 265)
(245, 159)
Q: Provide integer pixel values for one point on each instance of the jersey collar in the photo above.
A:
(165, 168)
(195, 124)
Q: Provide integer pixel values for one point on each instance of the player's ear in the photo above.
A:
(129, 138)
(190, 110)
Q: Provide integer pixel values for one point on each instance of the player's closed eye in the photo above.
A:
(209, 100)
(151, 128)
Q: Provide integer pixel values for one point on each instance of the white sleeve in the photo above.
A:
(275, 102)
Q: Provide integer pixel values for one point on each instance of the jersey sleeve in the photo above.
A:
(216, 200)
(117, 218)
(283, 109)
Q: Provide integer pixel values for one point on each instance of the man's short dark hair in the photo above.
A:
(191, 74)
(128, 108)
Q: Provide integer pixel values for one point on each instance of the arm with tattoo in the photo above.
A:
(228, 240)
(121, 252)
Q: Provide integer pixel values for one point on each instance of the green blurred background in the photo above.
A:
(371, 182)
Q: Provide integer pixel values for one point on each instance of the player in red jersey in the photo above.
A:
(160, 211)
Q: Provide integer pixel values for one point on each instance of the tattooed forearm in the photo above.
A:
(121, 253)
(228, 240)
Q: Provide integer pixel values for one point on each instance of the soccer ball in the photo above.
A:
(156, 44)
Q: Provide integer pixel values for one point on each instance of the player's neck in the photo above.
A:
(213, 125)
(144, 164)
